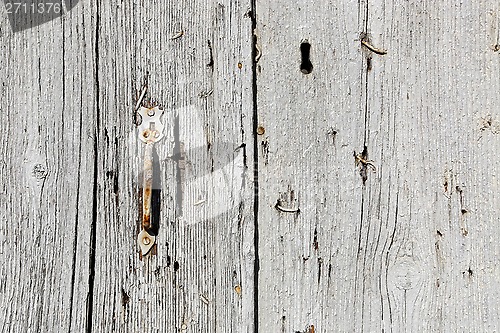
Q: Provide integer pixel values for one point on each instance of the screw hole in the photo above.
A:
(306, 66)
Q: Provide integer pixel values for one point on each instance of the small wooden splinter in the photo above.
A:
(373, 48)
(366, 163)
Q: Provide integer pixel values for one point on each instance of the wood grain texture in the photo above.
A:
(201, 279)
(313, 123)
(436, 94)
(414, 249)
(377, 202)
(46, 170)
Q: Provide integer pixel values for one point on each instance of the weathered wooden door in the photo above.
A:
(327, 166)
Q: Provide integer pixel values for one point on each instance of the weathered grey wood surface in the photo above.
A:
(411, 248)
(47, 121)
(415, 249)
(70, 260)
(202, 277)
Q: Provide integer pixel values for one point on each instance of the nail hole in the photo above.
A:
(261, 130)
(306, 66)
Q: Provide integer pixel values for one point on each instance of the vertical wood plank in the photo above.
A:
(419, 253)
(201, 279)
(311, 193)
(432, 125)
(46, 167)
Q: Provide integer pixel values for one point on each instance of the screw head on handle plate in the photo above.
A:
(145, 241)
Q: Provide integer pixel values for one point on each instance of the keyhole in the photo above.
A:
(306, 66)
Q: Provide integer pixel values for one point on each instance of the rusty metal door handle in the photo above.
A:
(150, 132)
